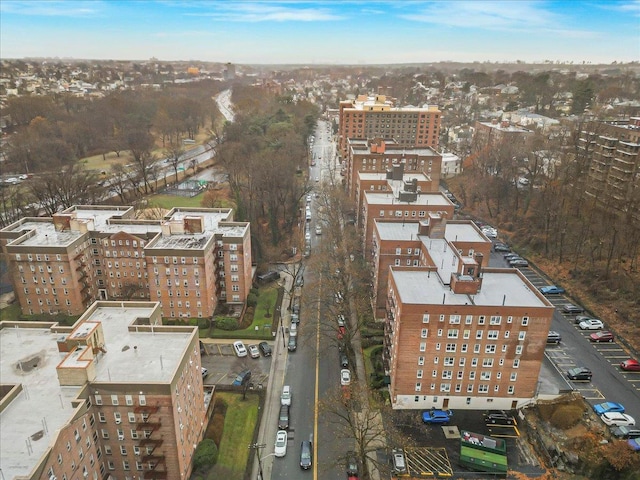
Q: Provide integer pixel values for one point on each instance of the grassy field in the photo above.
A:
(268, 296)
(239, 425)
(170, 201)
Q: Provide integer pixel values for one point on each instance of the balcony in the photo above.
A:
(148, 442)
(155, 459)
(148, 425)
(146, 409)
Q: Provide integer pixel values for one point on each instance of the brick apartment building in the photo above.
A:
(116, 396)
(459, 334)
(402, 201)
(613, 154)
(190, 261)
(406, 243)
(382, 156)
(494, 135)
(376, 117)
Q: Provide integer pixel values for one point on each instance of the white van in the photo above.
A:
(285, 398)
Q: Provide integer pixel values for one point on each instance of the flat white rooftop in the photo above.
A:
(454, 232)
(30, 357)
(388, 198)
(425, 288)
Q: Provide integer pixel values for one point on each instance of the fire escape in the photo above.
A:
(83, 280)
(151, 442)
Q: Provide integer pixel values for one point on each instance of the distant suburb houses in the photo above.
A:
(190, 261)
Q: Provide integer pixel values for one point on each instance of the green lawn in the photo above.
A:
(239, 426)
(268, 296)
(170, 201)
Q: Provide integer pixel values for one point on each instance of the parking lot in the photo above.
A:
(224, 365)
(434, 450)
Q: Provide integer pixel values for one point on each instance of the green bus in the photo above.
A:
(481, 453)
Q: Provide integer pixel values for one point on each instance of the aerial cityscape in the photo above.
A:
(319, 239)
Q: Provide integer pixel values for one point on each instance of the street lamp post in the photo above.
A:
(257, 447)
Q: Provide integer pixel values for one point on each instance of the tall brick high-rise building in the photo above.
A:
(376, 116)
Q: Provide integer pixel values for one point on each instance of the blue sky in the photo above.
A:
(316, 32)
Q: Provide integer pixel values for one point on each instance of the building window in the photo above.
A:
(521, 335)
(492, 334)
(418, 386)
(489, 349)
(525, 321)
(423, 333)
(483, 388)
(481, 319)
(495, 320)
(452, 333)
(519, 350)
(468, 319)
(425, 318)
(511, 390)
(485, 375)
(464, 347)
(479, 334)
(454, 319)
(420, 360)
(451, 347)
(516, 363)
(506, 334)
(449, 361)
(513, 377)
(419, 374)
(476, 348)
(423, 346)
(487, 362)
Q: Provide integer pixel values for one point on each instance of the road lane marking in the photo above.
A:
(315, 406)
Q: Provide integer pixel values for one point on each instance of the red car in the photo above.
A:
(601, 336)
(630, 365)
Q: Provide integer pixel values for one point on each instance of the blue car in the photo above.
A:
(607, 407)
(551, 290)
(435, 415)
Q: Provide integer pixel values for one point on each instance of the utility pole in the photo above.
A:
(257, 447)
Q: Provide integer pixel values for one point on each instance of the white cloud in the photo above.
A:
(521, 16)
(267, 12)
(52, 8)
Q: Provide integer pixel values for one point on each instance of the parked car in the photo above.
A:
(204, 372)
(293, 344)
(398, 461)
(552, 290)
(571, 309)
(295, 318)
(306, 455)
(352, 464)
(603, 336)
(265, 348)
(293, 329)
(240, 349)
(286, 395)
(634, 444)
(242, 378)
(499, 418)
(299, 280)
(630, 365)
(269, 277)
(344, 360)
(625, 431)
(345, 376)
(618, 419)
(580, 373)
(553, 337)
(280, 449)
(501, 247)
(591, 324)
(607, 407)
(519, 262)
(253, 351)
(283, 418)
(318, 230)
(509, 256)
(436, 415)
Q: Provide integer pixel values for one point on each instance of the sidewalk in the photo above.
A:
(271, 407)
